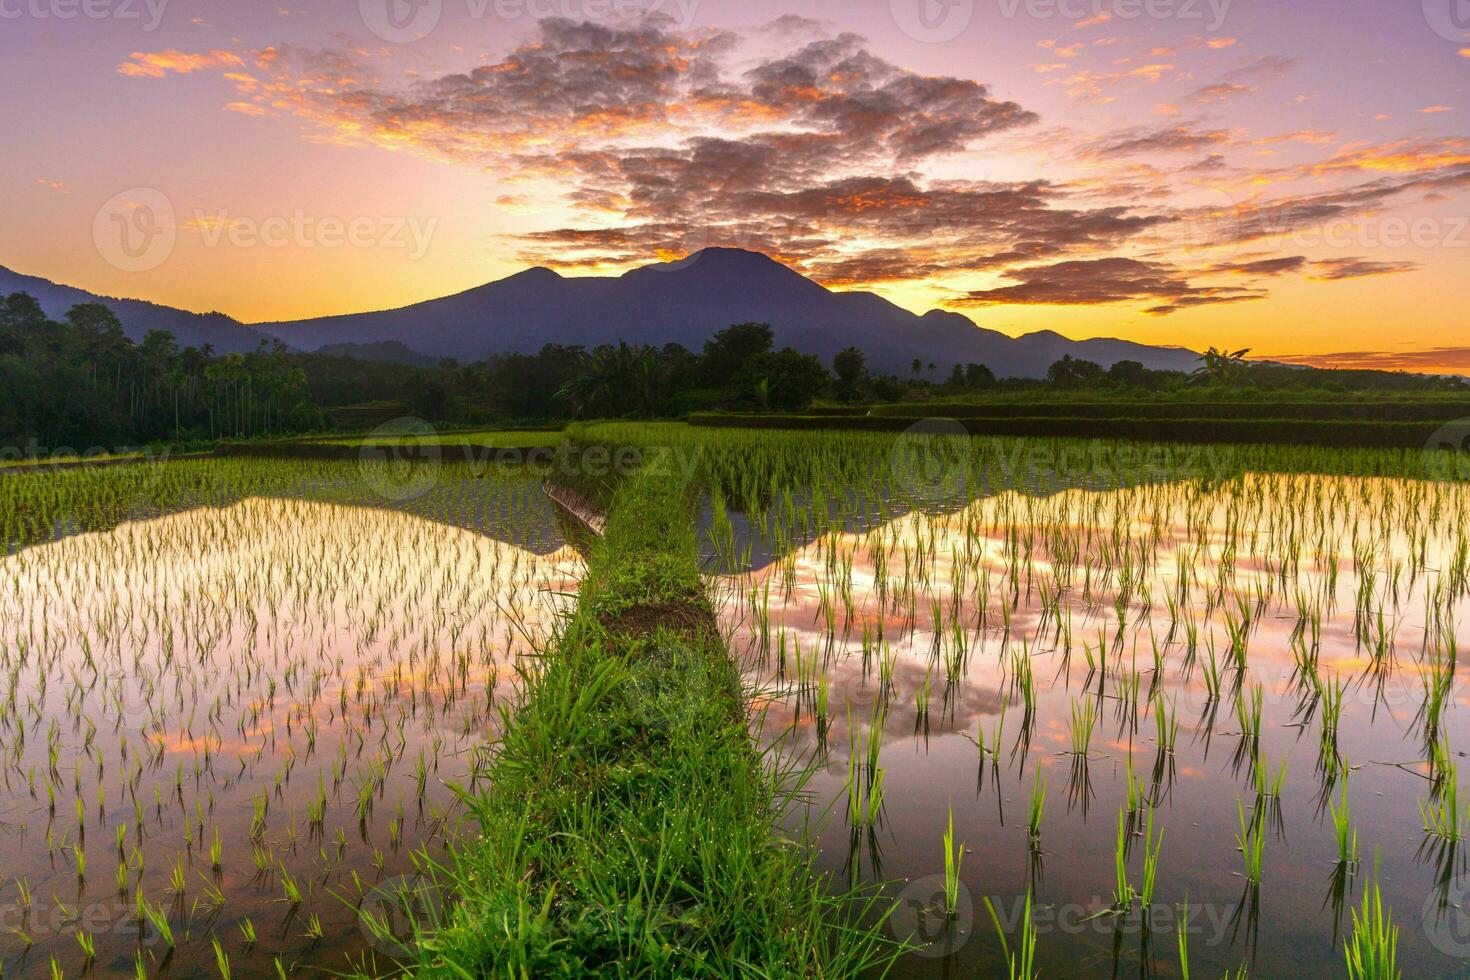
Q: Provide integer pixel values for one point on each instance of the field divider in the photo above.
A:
(627, 822)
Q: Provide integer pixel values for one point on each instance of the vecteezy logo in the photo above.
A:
(921, 919)
(1447, 453)
(1446, 921)
(1205, 219)
(135, 230)
(931, 462)
(395, 913)
(400, 459)
(932, 21)
(400, 21)
(1450, 19)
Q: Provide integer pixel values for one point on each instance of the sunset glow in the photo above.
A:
(1292, 178)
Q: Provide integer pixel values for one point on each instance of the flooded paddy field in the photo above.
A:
(235, 698)
(1180, 725)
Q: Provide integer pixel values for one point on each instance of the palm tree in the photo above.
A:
(1220, 366)
(616, 381)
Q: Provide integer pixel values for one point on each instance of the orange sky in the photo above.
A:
(1249, 179)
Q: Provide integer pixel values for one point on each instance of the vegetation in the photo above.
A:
(646, 804)
(81, 383)
(626, 822)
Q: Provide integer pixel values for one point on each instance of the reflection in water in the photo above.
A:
(240, 722)
(1249, 663)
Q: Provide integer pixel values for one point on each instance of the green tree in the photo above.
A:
(851, 368)
(728, 352)
(1071, 373)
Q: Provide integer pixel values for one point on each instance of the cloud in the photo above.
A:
(1244, 80)
(1434, 360)
(1168, 139)
(642, 141)
(1088, 282)
(1262, 267)
(1331, 270)
(157, 64)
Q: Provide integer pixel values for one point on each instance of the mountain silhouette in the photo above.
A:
(682, 302)
(225, 334)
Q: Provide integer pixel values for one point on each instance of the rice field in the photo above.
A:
(1073, 709)
(235, 702)
(1194, 718)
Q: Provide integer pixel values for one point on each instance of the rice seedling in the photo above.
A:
(1036, 811)
(1084, 720)
(221, 959)
(1020, 962)
(1343, 832)
(1251, 839)
(1441, 814)
(1123, 893)
(953, 857)
(1371, 950)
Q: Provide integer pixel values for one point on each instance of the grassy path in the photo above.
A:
(627, 820)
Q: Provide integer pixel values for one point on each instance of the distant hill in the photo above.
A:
(682, 302)
(687, 301)
(225, 334)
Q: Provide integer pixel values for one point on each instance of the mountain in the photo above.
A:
(687, 301)
(224, 334)
(682, 302)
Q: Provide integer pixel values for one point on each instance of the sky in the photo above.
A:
(1289, 177)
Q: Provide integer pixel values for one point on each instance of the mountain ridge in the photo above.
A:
(684, 301)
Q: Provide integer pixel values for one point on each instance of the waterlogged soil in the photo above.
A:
(955, 655)
(239, 725)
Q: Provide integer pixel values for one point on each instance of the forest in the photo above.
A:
(81, 383)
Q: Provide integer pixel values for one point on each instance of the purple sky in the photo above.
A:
(1291, 177)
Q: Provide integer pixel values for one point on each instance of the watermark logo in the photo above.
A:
(135, 231)
(400, 459)
(1205, 219)
(149, 12)
(1446, 921)
(1447, 454)
(394, 914)
(931, 460)
(1450, 19)
(404, 21)
(1209, 14)
(400, 21)
(920, 918)
(408, 234)
(932, 21)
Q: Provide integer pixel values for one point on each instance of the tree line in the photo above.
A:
(81, 382)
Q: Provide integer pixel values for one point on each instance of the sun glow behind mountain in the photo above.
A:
(1246, 178)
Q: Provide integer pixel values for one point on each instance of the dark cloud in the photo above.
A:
(805, 145)
(1263, 267)
(1089, 282)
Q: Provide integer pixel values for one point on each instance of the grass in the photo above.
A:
(626, 822)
